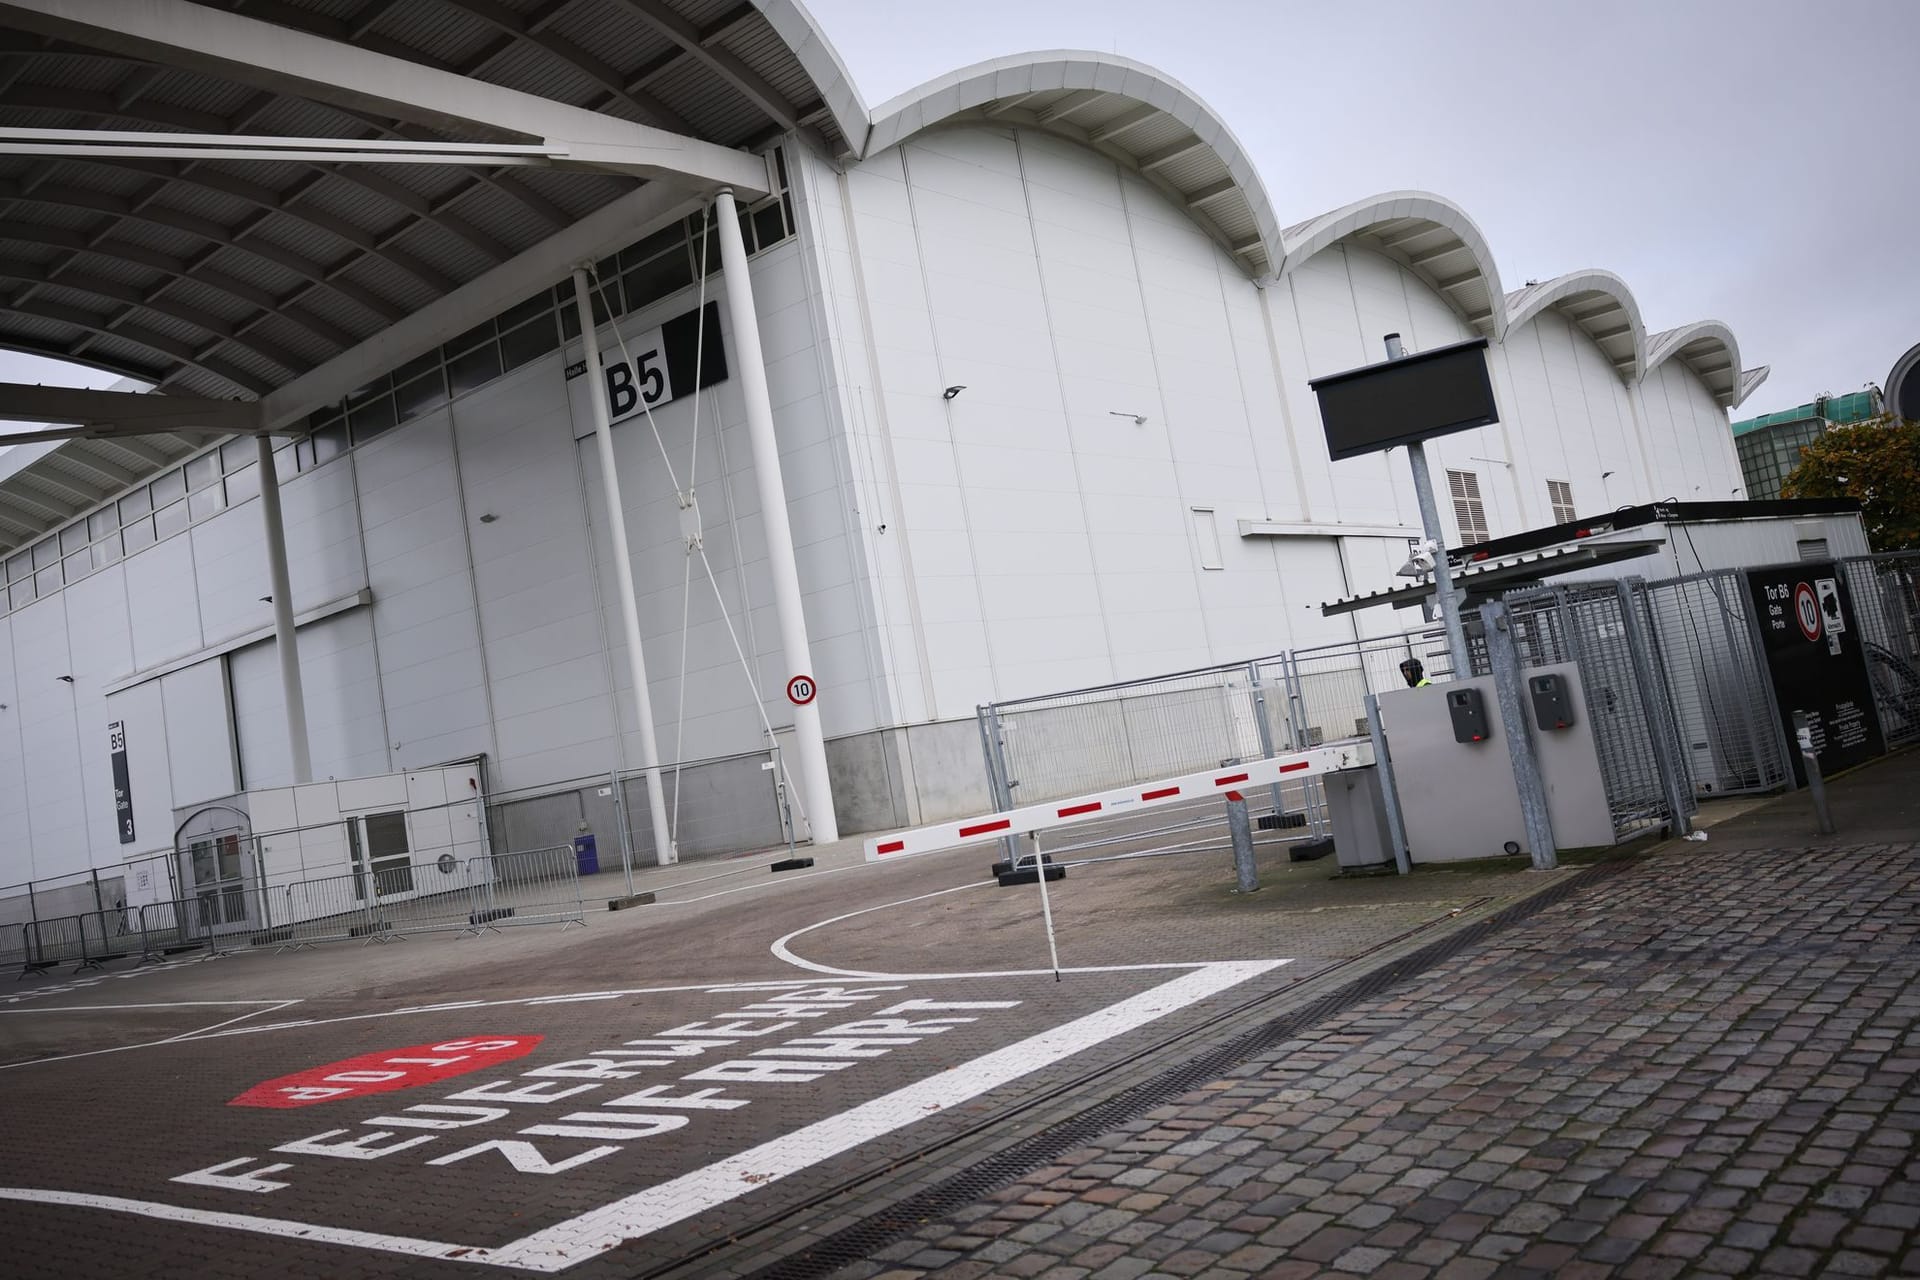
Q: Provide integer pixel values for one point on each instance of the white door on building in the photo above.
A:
(381, 857)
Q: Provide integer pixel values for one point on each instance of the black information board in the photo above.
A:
(122, 781)
(1816, 664)
(1417, 397)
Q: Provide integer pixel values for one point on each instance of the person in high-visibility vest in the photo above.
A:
(1415, 674)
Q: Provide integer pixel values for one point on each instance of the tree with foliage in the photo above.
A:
(1876, 461)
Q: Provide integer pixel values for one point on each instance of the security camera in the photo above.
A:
(951, 392)
(1420, 563)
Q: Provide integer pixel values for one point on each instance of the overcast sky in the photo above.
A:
(1751, 161)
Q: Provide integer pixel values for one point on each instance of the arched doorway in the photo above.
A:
(218, 869)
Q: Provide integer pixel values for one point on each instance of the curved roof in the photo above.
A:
(1903, 385)
(1708, 348)
(1600, 303)
(1144, 119)
(234, 278)
(1430, 234)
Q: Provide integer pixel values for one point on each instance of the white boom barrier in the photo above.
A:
(1290, 767)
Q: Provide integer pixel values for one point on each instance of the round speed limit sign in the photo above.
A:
(801, 690)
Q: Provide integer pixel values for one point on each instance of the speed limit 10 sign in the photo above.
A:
(801, 690)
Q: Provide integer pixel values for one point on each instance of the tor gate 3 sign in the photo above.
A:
(1816, 664)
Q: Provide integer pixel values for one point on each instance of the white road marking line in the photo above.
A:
(251, 1013)
(598, 1231)
(248, 1222)
(595, 1232)
(182, 1038)
(168, 1004)
(781, 950)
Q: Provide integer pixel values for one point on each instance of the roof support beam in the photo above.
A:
(632, 217)
(45, 507)
(1121, 124)
(117, 478)
(1167, 155)
(226, 45)
(125, 410)
(751, 85)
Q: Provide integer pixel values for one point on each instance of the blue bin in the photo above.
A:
(587, 853)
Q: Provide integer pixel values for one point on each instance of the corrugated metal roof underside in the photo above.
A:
(228, 278)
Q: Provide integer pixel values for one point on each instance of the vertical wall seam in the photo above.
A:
(1160, 396)
(1066, 413)
(903, 543)
(833, 398)
(953, 446)
(473, 591)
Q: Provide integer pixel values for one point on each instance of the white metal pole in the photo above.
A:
(664, 852)
(285, 642)
(811, 745)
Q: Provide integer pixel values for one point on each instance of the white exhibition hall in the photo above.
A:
(1025, 368)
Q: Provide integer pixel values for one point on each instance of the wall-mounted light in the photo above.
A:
(266, 599)
(1139, 419)
(65, 679)
(952, 391)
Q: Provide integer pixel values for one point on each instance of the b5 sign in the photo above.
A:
(654, 367)
(387, 1071)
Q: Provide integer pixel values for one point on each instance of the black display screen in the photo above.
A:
(1416, 397)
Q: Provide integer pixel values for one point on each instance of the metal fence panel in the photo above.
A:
(186, 924)
(1585, 624)
(1717, 683)
(1885, 593)
(538, 886)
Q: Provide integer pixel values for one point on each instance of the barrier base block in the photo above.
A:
(1311, 850)
(1022, 872)
(792, 864)
(621, 904)
(487, 917)
(1280, 821)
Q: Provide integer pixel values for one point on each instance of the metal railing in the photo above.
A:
(1606, 629)
(538, 886)
(1885, 591)
(87, 940)
(1083, 740)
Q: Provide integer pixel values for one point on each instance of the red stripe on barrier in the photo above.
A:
(985, 827)
(1296, 766)
(1074, 810)
(1230, 779)
(1161, 794)
(891, 846)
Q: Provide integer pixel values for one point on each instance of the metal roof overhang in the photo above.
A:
(211, 271)
(1503, 575)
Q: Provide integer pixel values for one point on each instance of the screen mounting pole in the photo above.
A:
(1430, 526)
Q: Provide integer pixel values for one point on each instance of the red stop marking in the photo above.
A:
(387, 1070)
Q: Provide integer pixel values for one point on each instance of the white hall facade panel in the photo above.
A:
(1072, 516)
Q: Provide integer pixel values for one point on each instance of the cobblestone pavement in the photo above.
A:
(1704, 1064)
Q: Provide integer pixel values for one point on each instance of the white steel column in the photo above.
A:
(752, 369)
(664, 852)
(285, 642)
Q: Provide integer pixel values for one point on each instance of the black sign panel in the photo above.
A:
(1427, 394)
(1816, 664)
(658, 365)
(122, 781)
